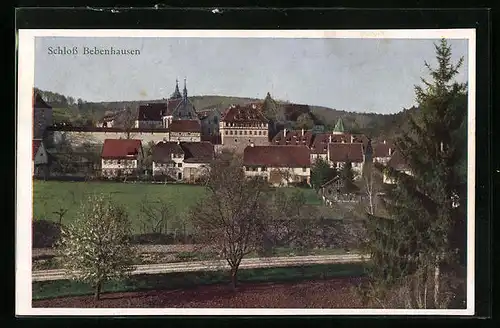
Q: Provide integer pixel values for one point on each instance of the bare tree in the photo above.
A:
(229, 218)
(155, 215)
(129, 117)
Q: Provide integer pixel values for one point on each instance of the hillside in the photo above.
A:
(78, 112)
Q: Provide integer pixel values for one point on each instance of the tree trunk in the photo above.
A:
(97, 293)
(234, 278)
(436, 283)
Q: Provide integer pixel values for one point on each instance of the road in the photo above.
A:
(250, 263)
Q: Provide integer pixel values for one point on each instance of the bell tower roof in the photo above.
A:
(177, 93)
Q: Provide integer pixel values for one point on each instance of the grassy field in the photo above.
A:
(59, 288)
(50, 196)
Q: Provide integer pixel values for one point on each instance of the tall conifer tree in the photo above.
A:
(424, 230)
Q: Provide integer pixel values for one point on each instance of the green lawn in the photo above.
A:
(58, 288)
(50, 196)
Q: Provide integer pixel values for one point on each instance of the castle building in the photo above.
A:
(242, 126)
(160, 115)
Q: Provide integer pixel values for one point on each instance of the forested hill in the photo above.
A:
(79, 111)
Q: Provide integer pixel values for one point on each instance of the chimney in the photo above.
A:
(302, 132)
(390, 151)
(442, 146)
(384, 141)
(352, 138)
(330, 138)
(284, 132)
(178, 141)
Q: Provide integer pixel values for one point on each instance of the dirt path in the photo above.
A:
(332, 293)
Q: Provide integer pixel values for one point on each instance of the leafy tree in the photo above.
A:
(95, 248)
(304, 121)
(321, 172)
(229, 218)
(425, 227)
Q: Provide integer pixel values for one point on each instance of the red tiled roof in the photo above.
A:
(277, 156)
(398, 162)
(121, 148)
(292, 138)
(198, 152)
(382, 150)
(320, 143)
(242, 114)
(152, 112)
(346, 152)
(172, 105)
(36, 145)
(321, 140)
(163, 150)
(185, 126)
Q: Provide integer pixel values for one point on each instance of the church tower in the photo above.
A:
(177, 93)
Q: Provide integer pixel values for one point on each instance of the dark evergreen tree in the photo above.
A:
(321, 173)
(347, 177)
(414, 249)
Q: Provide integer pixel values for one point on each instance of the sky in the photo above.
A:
(361, 75)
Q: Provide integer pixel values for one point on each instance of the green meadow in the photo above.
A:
(51, 196)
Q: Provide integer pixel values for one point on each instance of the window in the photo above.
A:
(264, 168)
(231, 132)
(241, 132)
(179, 164)
(235, 140)
(304, 169)
(247, 168)
(226, 132)
(264, 132)
(260, 133)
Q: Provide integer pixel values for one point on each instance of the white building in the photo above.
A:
(40, 158)
(280, 165)
(186, 161)
(121, 157)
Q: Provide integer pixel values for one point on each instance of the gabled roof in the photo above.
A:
(172, 105)
(293, 138)
(38, 101)
(277, 156)
(163, 150)
(382, 150)
(398, 162)
(198, 152)
(121, 148)
(346, 152)
(244, 114)
(36, 144)
(152, 111)
(185, 126)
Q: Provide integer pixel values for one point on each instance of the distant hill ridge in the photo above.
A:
(375, 125)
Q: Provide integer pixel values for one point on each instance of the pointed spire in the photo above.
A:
(177, 93)
(339, 127)
(185, 91)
